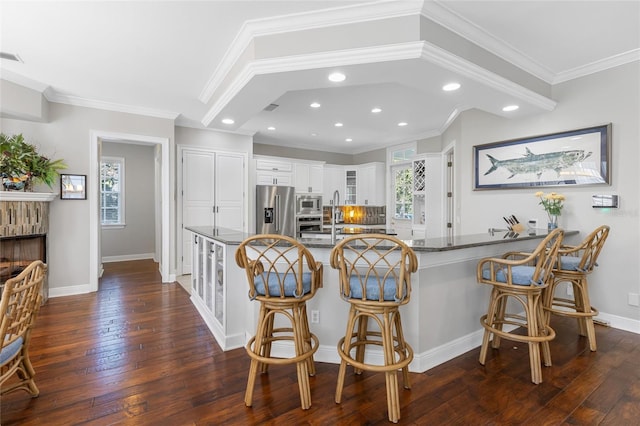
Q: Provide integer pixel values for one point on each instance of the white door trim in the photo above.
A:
(96, 136)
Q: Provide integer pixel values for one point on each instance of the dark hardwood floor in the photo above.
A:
(136, 352)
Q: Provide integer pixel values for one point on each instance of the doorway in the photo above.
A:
(162, 203)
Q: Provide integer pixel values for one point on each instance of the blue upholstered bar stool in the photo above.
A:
(520, 277)
(575, 263)
(375, 278)
(282, 275)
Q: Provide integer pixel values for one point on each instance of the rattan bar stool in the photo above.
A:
(575, 263)
(375, 278)
(19, 307)
(521, 277)
(282, 276)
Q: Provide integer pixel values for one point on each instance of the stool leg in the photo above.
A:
(344, 346)
(488, 320)
(585, 307)
(391, 377)
(299, 340)
(363, 326)
(498, 322)
(257, 348)
(311, 366)
(265, 347)
(543, 331)
(402, 345)
(532, 331)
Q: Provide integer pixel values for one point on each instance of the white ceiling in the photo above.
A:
(160, 58)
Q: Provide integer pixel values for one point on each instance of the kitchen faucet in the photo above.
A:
(335, 202)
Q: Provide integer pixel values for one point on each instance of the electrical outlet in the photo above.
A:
(315, 317)
(634, 299)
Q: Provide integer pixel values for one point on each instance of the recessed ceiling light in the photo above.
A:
(315, 105)
(314, 134)
(402, 124)
(510, 108)
(271, 128)
(338, 124)
(227, 121)
(337, 77)
(451, 87)
(376, 110)
(348, 140)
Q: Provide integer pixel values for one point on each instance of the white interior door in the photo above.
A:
(198, 197)
(230, 190)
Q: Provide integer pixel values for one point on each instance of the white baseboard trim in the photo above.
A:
(621, 323)
(69, 291)
(125, 257)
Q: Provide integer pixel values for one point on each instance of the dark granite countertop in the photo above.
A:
(231, 237)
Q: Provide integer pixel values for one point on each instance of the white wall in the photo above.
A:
(67, 135)
(609, 96)
(137, 239)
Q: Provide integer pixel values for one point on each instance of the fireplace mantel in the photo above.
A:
(27, 196)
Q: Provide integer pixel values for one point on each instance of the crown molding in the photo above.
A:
(394, 52)
(594, 67)
(299, 22)
(23, 81)
(53, 96)
(446, 59)
(444, 16)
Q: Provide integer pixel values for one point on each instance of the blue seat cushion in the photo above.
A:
(569, 263)
(11, 350)
(275, 278)
(520, 275)
(372, 287)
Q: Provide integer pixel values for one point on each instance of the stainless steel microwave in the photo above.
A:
(309, 204)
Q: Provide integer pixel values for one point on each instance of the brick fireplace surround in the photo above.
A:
(24, 224)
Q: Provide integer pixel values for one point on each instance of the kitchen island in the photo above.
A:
(441, 321)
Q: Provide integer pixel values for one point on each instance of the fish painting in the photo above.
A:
(538, 163)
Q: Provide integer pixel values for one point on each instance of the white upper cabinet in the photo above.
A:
(333, 180)
(370, 184)
(274, 172)
(309, 178)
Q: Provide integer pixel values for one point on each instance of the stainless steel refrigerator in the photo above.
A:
(275, 210)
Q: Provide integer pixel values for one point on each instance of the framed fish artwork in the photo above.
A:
(575, 157)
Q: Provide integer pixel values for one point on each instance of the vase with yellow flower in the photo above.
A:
(552, 204)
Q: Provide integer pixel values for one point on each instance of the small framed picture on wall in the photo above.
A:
(73, 187)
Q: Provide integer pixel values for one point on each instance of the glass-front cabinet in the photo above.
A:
(218, 291)
(350, 196)
(208, 278)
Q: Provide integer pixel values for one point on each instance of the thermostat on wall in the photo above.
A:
(604, 201)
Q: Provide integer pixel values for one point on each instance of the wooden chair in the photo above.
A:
(19, 307)
(282, 275)
(375, 278)
(521, 277)
(575, 263)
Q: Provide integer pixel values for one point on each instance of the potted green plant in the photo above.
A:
(22, 167)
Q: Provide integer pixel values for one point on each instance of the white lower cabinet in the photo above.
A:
(210, 293)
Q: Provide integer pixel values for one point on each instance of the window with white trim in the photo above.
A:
(112, 191)
(402, 179)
